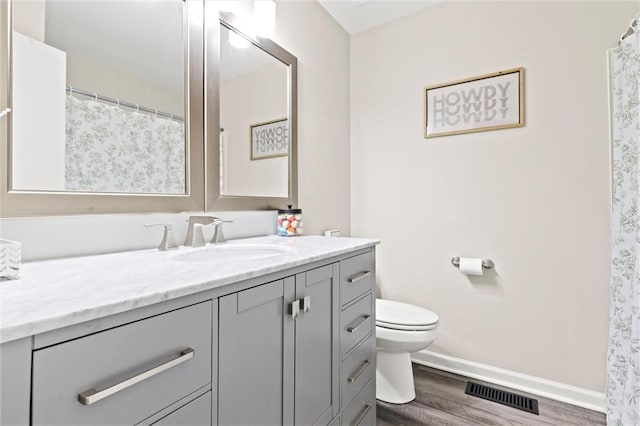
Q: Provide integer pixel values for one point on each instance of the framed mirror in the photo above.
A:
(252, 120)
(107, 103)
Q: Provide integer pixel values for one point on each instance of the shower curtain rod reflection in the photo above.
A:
(72, 90)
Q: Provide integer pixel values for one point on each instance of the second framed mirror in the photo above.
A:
(251, 119)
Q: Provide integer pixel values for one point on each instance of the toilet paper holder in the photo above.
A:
(486, 263)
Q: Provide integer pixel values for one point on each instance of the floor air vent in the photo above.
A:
(509, 399)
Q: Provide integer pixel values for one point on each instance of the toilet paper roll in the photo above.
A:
(470, 266)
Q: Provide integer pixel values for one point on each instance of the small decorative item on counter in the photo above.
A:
(10, 259)
(289, 222)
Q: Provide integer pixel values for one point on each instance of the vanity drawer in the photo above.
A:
(357, 369)
(356, 276)
(356, 322)
(195, 413)
(362, 410)
(138, 369)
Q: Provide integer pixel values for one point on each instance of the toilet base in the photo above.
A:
(394, 377)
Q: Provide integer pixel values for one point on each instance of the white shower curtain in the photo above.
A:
(110, 149)
(623, 357)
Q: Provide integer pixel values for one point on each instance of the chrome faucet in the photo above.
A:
(195, 237)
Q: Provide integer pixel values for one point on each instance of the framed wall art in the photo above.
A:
(488, 102)
(270, 139)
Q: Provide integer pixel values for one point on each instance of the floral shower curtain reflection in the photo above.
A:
(623, 357)
(112, 149)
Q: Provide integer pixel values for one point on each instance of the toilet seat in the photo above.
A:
(402, 316)
(405, 327)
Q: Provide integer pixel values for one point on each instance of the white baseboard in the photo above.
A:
(547, 388)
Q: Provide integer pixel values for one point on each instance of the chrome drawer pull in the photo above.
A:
(362, 415)
(357, 277)
(364, 319)
(359, 371)
(91, 396)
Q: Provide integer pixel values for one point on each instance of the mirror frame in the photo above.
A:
(214, 200)
(22, 203)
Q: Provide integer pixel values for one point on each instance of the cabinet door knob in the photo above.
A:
(294, 308)
(306, 304)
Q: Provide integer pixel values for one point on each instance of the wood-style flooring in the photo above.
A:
(440, 400)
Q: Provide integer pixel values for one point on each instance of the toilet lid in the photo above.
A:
(403, 316)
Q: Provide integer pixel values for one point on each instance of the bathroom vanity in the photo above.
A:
(262, 331)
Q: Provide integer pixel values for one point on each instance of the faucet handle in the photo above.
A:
(168, 241)
(218, 235)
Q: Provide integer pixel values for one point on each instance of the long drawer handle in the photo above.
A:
(362, 415)
(359, 371)
(364, 319)
(91, 396)
(357, 277)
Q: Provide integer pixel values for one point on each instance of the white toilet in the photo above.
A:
(401, 329)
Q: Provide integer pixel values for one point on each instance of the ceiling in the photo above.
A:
(359, 15)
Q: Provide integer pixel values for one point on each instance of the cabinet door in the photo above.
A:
(255, 354)
(317, 341)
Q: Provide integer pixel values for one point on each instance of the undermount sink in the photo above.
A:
(231, 253)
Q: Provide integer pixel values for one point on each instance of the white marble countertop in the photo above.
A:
(57, 293)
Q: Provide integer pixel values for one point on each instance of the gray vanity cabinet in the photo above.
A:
(279, 352)
(295, 347)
